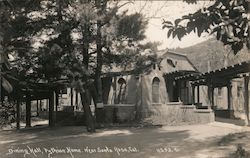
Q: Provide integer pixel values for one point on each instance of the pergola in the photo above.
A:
(27, 91)
(221, 78)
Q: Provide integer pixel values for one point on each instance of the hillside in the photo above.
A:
(213, 54)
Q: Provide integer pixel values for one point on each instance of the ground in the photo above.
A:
(206, 140)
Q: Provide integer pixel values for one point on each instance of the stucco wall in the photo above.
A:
(131, 89)
(237, 98)
(119, 113)
(146, 95)
(221, 101)
(179, 115)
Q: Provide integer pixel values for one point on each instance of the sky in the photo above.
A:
(155, 11)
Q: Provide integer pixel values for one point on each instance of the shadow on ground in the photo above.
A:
(148, 142)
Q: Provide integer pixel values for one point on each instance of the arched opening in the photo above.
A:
(121, 90)
(155, 90)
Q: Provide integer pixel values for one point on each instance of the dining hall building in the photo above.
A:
(170, 92)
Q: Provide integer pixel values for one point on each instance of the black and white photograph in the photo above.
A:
(124, 78)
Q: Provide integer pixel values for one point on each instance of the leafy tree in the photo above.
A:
(228, 19)
(72, 39)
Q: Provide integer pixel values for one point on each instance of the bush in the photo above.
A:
(241, 152)
(7, 113)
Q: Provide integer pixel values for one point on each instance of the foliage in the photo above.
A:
(72, 40)
(132, 26)
(50, 25)
(240, 152)
(229, 20)
(7, 113)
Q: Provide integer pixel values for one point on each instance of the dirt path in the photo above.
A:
(207, 140)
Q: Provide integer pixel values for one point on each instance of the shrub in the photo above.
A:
(7, 113)
(241, 152)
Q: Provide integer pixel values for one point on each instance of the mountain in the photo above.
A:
(212, 54)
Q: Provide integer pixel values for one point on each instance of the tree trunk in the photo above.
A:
(18, 114)
(59, 10)
(89, 118)
(85, 94)
(99, 106)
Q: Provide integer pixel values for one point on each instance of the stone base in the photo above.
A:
(119, 113)
(179, 115)
(224, 113)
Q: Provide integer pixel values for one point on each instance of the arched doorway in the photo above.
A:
(156, 90)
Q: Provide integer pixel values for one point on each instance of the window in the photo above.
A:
(154, 66)
(121, 90)
(155, 90)
(171, 62)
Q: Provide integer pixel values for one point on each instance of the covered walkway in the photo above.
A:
(220, 78)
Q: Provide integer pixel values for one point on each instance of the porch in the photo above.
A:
(217, 79)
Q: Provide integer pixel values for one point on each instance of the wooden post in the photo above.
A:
(57, 100)
(0, 80)
(229, 96)
(76, 100)
(51, 109)
(229, 99)
(28, 110)
(40, 105)
(18, 112)
(198, 94)
(71, 96)
(246, 99)
(212, 97)
(47, 104)
(209, 91)
(37, 107)
(114, 88)
(193, 94)
(57, 104)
